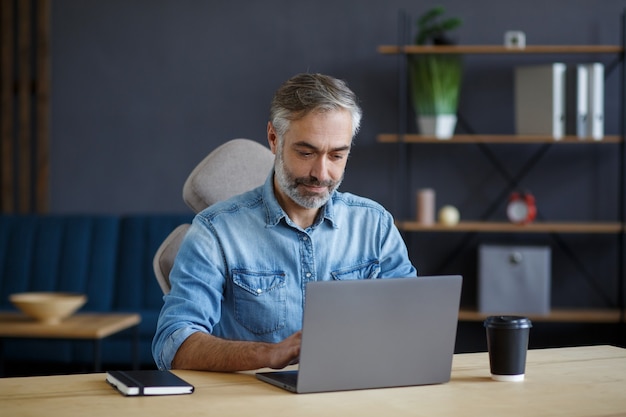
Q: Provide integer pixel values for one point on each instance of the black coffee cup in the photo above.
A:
(507, 342)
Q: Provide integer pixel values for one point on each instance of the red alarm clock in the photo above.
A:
(521, 208)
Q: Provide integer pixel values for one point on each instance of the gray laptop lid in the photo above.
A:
(378, 333)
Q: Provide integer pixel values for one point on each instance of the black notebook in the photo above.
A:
(148, 382)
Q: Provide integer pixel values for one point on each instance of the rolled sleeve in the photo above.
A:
(165, 350)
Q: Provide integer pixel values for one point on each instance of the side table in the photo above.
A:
(85, 326)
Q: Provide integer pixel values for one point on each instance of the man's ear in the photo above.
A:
(272, 138)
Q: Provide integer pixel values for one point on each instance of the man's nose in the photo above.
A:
(319, 169)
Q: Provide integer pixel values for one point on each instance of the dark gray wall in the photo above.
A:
(143, 89)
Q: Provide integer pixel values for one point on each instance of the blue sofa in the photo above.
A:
(108, 258)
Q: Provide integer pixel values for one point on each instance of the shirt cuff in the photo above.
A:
(172, 344)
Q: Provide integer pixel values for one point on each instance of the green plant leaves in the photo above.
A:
(431, 28)
(435, 81)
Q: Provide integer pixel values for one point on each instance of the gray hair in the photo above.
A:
(305, 93)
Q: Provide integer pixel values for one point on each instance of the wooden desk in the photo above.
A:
(89, 326)
(584, 381)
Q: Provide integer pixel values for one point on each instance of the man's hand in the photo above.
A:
(286, 352)
(205, 352)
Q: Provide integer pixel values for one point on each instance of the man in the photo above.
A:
(238, 282)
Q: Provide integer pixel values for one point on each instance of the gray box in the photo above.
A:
(514, 279)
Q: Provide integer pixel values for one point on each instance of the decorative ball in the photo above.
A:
(449, 215)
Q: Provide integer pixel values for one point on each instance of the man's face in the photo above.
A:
(311, 158)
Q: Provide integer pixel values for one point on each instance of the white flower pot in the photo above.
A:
(440, 126)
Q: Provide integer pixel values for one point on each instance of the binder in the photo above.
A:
(596, 100)
(582, 101)
(540, 100)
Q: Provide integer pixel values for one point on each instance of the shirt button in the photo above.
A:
(308, 275)
(305, 238)
(259, 291)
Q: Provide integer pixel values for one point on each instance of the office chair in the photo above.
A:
(237, 166)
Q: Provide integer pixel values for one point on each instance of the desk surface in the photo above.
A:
(77, 326)
(582, 381)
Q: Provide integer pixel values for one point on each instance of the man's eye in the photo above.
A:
(306, 154)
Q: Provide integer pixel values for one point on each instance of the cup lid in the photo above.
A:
(507, 322)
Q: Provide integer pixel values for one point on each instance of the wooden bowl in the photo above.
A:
(48, 307)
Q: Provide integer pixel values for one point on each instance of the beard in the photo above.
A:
(290, 185)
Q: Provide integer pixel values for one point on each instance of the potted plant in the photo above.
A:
(435, 79)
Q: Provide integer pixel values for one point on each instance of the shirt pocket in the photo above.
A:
(365, 270)
(260, 300)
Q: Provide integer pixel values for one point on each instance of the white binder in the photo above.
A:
(582, 101)
(540, 100)
(596, 100)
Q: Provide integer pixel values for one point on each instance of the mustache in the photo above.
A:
(314, 182)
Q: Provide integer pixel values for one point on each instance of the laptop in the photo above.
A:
(378, 333)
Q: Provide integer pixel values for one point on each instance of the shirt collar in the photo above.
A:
(275, 212)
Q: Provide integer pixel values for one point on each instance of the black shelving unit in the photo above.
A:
(403, 140)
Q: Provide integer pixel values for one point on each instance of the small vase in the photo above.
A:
(440, 126)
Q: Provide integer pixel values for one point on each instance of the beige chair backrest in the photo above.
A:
(237, 166)
(164, 257)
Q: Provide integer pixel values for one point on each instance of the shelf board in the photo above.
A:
(506, 227)
(557, 315)
(501, 139)
(499, 49)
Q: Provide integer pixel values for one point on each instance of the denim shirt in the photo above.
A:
(242, 268)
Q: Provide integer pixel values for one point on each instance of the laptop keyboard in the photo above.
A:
(287, 377)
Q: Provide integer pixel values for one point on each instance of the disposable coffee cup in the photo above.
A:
(507, 342)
